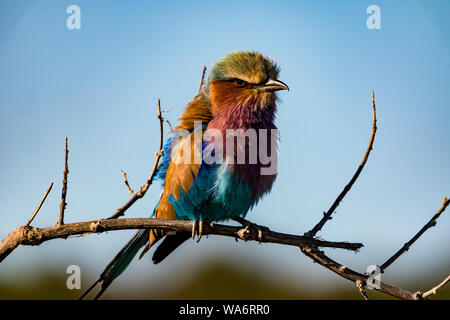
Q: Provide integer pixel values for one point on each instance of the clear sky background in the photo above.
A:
(99, 86)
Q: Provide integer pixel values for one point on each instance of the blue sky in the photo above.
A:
(99, 86)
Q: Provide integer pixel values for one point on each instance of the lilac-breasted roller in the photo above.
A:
(240, 95)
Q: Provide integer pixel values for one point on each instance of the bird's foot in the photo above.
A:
(197, 228)
(194, 228)
(250, 225)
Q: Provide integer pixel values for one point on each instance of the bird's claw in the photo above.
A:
(261, 231)
(194, 228)
(200, 230)
(197, 228)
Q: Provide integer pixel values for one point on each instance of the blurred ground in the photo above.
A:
(215, 280)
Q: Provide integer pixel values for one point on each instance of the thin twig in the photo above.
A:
(124, 175)
(406, 246)
(167, 121)
(170, 126)
(434, 290)
(63, 204)
(121, 211)
(40, 205)
(327, 215)
(202, 79)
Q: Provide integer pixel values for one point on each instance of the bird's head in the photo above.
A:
(246, 79)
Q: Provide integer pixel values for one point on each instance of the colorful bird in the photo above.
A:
(239, 99)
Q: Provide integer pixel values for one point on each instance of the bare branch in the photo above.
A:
(349, 274)
(121, 211)
(35, 236)
(435, 289)
(407, 245)
(124, 175)
(327, 215)
(202, 79)
(63, 204)
(26, 235)
(40, 205)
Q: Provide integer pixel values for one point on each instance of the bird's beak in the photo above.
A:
(273, 85)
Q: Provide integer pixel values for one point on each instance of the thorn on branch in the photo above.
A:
(243, 233)
(202, 79)
(124, 175)
(98, 226)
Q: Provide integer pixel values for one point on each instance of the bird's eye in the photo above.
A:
(239, 83)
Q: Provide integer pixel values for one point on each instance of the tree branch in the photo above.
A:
(26, 235)
(407, 245)
(327, 215)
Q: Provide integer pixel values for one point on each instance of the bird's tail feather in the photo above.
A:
(169, 244)
(147, 238)
(154, 236)
(120, 261)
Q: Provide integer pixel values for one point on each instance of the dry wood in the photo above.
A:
(63, 204)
